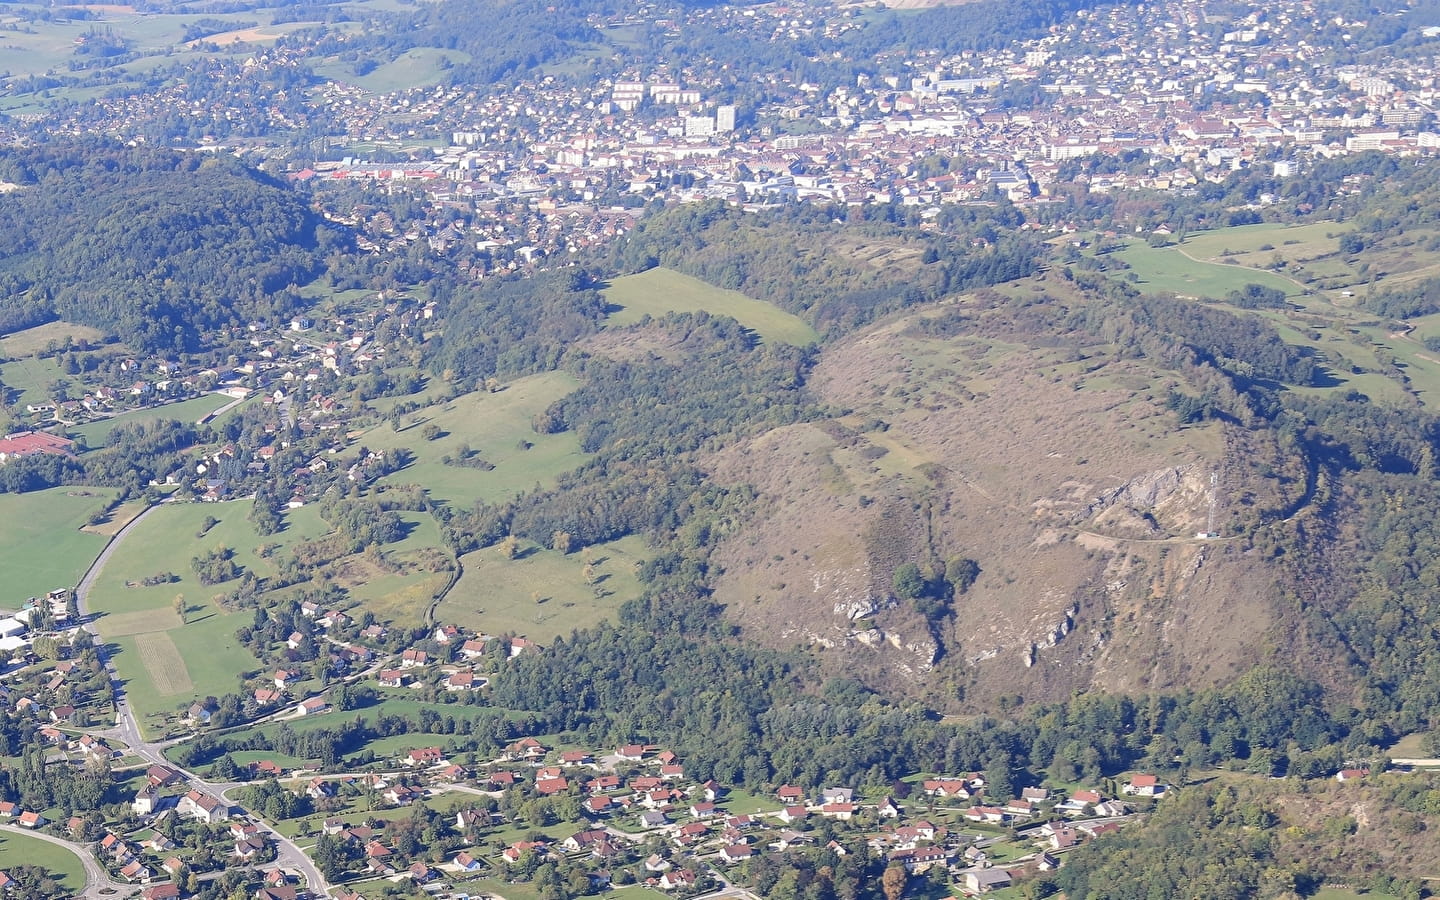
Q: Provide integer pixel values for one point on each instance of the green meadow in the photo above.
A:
(41, 544)
(497, 429)
(542, 593)
(657, 291)
(20, 849)
(97, 434)
(163, 660)
(1167, 269)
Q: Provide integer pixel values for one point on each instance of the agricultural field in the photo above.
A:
(117, 518)
(658, 291)
(20, 849)
(542, 593)
(42, 544)
(165, 659)
(496, 427)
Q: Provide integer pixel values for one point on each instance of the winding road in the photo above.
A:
(127, 731)
(98, 883)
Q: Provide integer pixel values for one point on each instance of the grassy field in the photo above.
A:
(499, 595)
(1162, 269)
(20, 849)
(416, 67)
(399, 596)
(163, 661)
(31, 378)
(658, 291)
(495, 426)
(166, 542)
(41, 544)
(33, 340)
(1269, 237)
(96, 434)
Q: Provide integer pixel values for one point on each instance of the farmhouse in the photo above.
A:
(203, 807)
(980, 881)
(313, 707)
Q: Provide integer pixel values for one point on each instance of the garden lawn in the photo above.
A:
(657, 291)
(20, 849)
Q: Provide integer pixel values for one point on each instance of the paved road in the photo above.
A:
(127, 729)
(97, 881)
(210, 417)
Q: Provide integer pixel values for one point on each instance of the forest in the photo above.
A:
(155, 247)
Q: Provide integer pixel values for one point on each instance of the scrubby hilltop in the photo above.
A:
(1047, 460)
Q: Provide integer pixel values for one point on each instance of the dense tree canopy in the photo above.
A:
(154, 246)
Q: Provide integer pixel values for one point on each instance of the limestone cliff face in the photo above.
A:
(1071, 486)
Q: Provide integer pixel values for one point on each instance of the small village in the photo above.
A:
(436, 817)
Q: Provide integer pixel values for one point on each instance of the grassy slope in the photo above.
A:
(416, 67)
(33, 340)
(32, 378)
(1354, 343)
(497, 595)
(41, 544)
(1169, 269)
(97, 433)
(658, 291)
(494, 425)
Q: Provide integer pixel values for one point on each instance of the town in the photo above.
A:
(331, 600)
(1171, 96)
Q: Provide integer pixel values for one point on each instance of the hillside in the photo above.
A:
(1051, 460)
(155, 247)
